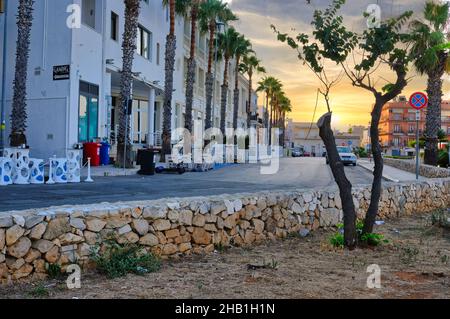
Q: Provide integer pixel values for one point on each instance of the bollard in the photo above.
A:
(50, 173)
(89, 179)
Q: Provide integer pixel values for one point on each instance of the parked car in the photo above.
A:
(347, 156)
(297, 153)
(306, 154)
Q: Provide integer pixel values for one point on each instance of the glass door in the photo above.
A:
(88, 113)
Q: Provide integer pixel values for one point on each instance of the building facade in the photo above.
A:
(398, 125)
(74, 74)
(305, 136)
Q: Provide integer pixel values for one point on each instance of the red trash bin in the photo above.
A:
(92, 151)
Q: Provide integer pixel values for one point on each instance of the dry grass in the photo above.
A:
(415, 264)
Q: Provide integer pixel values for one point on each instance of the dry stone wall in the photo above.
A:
(424, 170)
(31, 240)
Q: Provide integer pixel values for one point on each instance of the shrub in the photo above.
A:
(119, 260)
(373, 239)
(54, 271)
(337, 240)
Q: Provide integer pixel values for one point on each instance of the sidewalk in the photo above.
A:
(390, 173)
(109, 170)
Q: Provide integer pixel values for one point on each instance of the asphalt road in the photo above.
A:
(293, 173)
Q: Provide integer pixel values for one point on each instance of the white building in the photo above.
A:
(81, 103)
(305, 136)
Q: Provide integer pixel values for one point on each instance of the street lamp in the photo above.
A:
(219, 26)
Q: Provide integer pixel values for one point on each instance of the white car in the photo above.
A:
(347, 156)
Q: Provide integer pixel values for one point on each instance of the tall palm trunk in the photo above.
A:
(433, 119)
(236, 94)
(132, 8)
(19, 104)
(192, 65)
(250, 85)
(224, 95)
(271, 119)
(209, 82)
(171, 45)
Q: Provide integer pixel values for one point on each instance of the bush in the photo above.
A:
(54, 271)
(119, 260)
(443, 158)
(372, 239)
(337, 240)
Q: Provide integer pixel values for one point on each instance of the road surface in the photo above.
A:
(293, 173)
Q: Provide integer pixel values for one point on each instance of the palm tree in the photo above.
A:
(19, 104)
(175, 7)
(227, 46)
(243, 48)
(285, 107)
(268, 85)
(212, 11)
(191, 66)
(431, 56)
(251, 64)
(132, 8)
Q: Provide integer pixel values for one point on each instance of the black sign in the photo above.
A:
(61, 72)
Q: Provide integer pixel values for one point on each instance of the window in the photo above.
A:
(397, 128)
(140, 122)
(411, 129)
(88, 13)
(144, 39)
(114, 26)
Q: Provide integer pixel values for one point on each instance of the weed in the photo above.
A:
(373, 239)
(408, 255)
(220, 247)
(337, 240)
(119, 260)
(40, 291)
(54, 271)
(273, 264)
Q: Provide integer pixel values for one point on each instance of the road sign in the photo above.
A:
(418, 100)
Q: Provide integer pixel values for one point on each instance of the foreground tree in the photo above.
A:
(376, 46)
(212, 11)
(132, 8)
(430, 51)
(19, 103)
(251, 65)
(175, 7)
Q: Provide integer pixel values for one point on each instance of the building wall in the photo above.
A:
(95, 58)
(398, 124)
(305, 136)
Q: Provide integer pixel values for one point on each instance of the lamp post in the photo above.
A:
(3, 88)
(219, 26)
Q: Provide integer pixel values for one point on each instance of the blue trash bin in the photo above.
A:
(104, 153)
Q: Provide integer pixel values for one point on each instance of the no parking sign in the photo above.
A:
(418, 100)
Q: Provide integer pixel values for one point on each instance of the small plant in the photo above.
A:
(54, 271)
(408, 255)
(119, 260)
(337, 240)
(220, 247)
(373, 239)
(40, 291)
(273, 264)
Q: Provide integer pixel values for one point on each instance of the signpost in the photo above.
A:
(418, 101)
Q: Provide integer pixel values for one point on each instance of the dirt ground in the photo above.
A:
(414, 264)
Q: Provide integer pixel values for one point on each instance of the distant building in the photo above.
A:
(353, 138)
(398, 125)
(305, 136)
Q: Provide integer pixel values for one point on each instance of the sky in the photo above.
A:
(350, 105)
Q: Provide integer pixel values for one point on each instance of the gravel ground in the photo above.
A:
(414, 264)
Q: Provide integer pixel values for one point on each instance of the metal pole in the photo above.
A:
(3, 93)
(214, 83)
(417, 144)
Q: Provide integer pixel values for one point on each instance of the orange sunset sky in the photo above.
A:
(351, 106)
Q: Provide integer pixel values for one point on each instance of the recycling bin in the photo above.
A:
(146, 159)
(104, 153)
(92, 150)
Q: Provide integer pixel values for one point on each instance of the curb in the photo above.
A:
(387, 177)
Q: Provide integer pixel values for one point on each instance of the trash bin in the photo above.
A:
(146, 159)
(92, 150)
(104, 153)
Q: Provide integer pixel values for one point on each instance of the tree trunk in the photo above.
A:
(171, 44)
(249, 111)
(271, 120)
(433, 119)
(224, 95)
(132, 8)
(209, 83)
(19, 103)
(236, 94)
(345, 187)
(192, 65)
